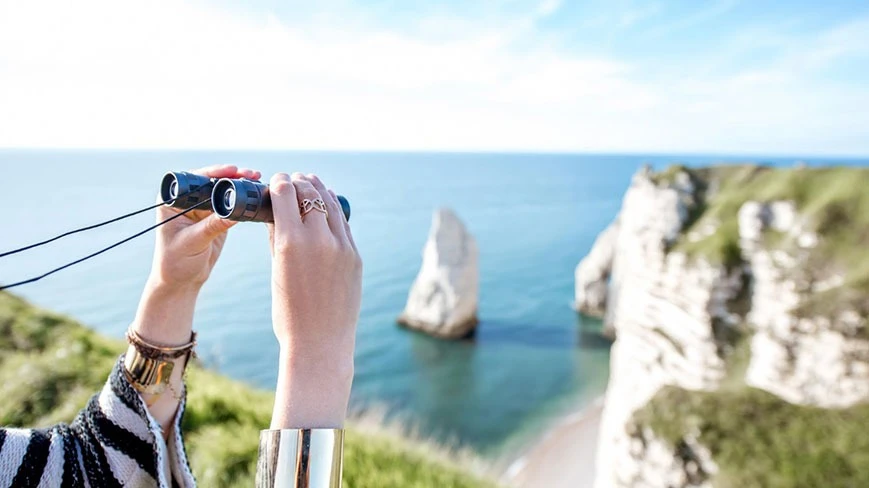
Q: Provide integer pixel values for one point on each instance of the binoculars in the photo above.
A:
(240, 199)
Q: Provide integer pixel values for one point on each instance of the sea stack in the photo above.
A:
(443, 299)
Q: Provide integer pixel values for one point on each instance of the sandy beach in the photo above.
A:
(564, 457)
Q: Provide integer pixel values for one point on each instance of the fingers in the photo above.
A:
(305, 190)
(336, 216)
(198, 236)
(218, 171)
(248, 173)
(228, 171)
(285, 207)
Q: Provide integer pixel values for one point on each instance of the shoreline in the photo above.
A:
(564, 455)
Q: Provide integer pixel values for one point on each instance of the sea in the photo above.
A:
(534, 217)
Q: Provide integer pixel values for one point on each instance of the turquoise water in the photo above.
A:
(534, 217)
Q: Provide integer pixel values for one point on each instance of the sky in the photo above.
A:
(709, 77)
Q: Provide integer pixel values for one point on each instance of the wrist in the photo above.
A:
(330, 367)
(313, 390)
(162, 286)
(165, 313)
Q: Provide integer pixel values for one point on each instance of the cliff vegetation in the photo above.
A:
(759, 440)
(833, 202)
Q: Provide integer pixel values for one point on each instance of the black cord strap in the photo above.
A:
(76, 231)
(97, 253)
(94, 226)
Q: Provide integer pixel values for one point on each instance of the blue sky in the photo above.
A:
(753, 77)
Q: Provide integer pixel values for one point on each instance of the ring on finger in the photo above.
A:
(308, 205)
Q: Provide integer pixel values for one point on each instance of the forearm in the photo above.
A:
(304, 447)
(312, 392)
(165, 317)
(316, 293)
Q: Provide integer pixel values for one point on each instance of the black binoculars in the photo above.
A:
(234, 199)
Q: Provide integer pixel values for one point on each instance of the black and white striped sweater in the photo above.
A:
(113, 442)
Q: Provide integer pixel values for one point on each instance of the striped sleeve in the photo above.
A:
(113, 442)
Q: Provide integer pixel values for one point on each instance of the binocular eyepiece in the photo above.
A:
(241, 199)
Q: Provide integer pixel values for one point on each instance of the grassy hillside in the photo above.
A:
(50, 366)
(762, 441)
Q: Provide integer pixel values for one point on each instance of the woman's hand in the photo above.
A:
(316, 294)
(186, 251)
(188, 247)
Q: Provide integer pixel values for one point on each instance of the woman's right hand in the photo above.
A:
(316, 295)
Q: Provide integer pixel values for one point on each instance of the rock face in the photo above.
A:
(808, 360)
(662, 308)
(678, 314)
(658, 466)
(443, 299)
(593, 274)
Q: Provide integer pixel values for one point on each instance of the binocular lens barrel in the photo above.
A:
(234, 199)
(242, 200)
(184, 190)
(345, 206)
(248, 201)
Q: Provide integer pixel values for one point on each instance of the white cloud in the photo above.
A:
(174, 75)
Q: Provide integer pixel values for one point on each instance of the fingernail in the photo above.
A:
(281, 177)
(298, 176)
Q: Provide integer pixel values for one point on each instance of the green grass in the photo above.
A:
(668, 175)
(759, 440)
(834, 201)
(51, 365)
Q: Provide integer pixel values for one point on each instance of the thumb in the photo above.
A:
(199, 235)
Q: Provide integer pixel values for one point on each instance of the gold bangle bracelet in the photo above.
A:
(154, 351)
(300, 458)
(148, 367)
(147, 375)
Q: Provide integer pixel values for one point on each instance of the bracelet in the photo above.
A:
(152, 351)
(300, 458)
(148, 367)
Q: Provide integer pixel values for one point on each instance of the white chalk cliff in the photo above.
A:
(593, 273)
(676, 314)
(443, 299)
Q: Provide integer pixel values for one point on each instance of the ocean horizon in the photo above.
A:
(534, 217)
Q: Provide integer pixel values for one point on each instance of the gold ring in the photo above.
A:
(316, 204)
